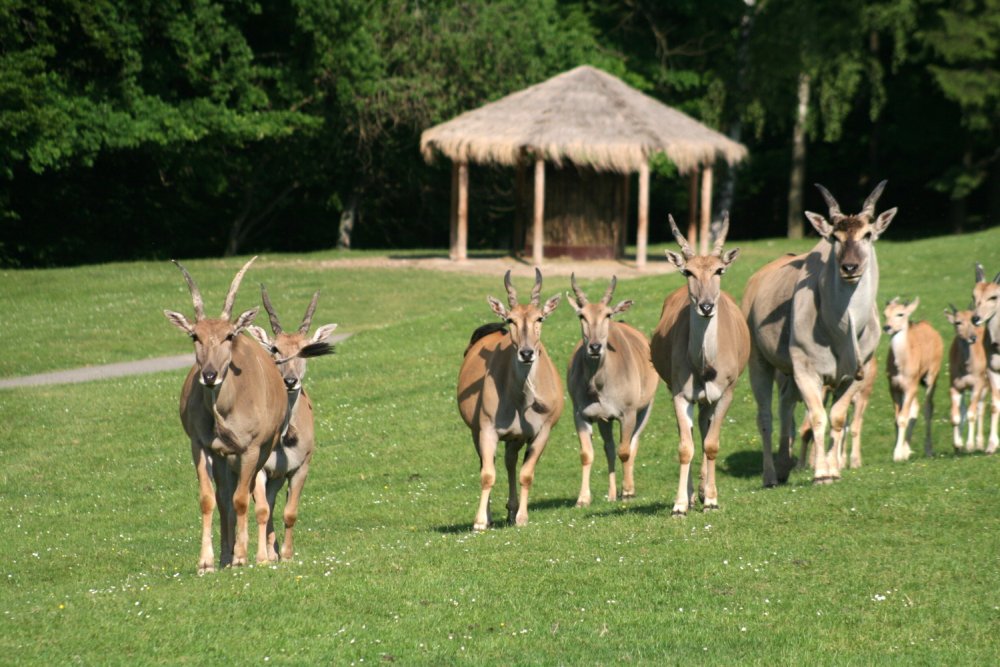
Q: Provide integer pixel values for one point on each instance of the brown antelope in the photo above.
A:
(700, 347)
(813, 317)
(859, 405)
(509, 390)
(232, 406)
(967, 366)
(610, 377)
(986, 296)
(915, 353)
(290, 459)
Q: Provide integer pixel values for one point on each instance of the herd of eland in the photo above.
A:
(808, 324)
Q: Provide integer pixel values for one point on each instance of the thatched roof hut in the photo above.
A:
(585, 117)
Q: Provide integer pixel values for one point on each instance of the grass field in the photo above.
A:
(897, 563)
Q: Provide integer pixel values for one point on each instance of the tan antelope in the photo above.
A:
(859, 404)
(967, 367)
(610, 377)
(290, 459)
(915, 353)
(509, 390)
(814, 318)
(232, 407)
(986, 296)
(700, 347)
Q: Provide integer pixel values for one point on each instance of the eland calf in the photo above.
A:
(986, 296)
(967, 368)
(700, 347)
(915, 353)
(610, 377)
(509, 390)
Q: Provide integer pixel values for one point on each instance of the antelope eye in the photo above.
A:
(230, 337)
(508, 321)
(581, 316)
(194, 337)
(868, 236)
(540, 319)
(719, 272)
(686, 273)
(274, 349)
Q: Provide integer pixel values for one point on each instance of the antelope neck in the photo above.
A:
(703, 339)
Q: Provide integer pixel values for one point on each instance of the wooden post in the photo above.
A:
(538, 234)
(706, 207)
(642, 229)
(462, 238)
(693, 210)
(623, 227)
(520, 215)
(453, 220)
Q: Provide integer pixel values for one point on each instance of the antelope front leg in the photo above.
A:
(607, 430)
(929, 417)
(295, 485)
(711, 443)
(685, 452)
(762, 383)
(584, 431)
(486, 446)
(956, 420)
(838, 422)
(626, 452)
(994, 411)
(241, 505)
(812, 395)
(206, 500)
(857, 421)
(979, 395)
(262, 512)
(535, 449)
(904, 408)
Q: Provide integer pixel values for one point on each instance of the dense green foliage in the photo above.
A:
(149, 129)
(897, 563)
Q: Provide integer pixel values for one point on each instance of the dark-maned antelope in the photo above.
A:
(610, 377)
(814, 317)
(915, 353)
(967, 366)
(232, 406)
(700, 348)
(859, 404)
(289, 461)
(509, 390)
(986, 296)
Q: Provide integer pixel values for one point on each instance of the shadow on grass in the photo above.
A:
(630, 507)
(500, 513)
(746, 463)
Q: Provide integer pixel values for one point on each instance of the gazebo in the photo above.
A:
(587, 119)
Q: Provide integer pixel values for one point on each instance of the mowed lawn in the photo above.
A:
(896, 563)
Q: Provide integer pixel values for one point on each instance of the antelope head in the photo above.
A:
(703, 272)
(852, 235)
(986, 296)
(897, 315)
(290, 350)
(213, 338)
(962, 321)
(595, 318)
(525, 321)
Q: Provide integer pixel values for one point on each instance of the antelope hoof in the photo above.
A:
(239, 562)
(710, 507)
(822, 480)
(521, 520)
(628, 495)
(479, 527)
(679, 512)
(583, 502)
(205, 568)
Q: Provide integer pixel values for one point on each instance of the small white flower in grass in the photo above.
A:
(743, 628)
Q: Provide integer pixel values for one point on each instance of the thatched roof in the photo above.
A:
(585, 116)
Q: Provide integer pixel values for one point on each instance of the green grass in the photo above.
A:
(897, 563)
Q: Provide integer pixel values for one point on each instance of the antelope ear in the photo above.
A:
(996, 278)
(323, 333)
(259, 335)
(497, 307)
(245, 319)
(179, 321)
(948, 314)
(550, 305)
(882, 222)
(676, 259)
(622, 307)
(819, 223)
(913, 305)
(730, 256)
(571, 300)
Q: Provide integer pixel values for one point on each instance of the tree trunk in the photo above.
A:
(728, 185)
(347, 219)
(798, 172)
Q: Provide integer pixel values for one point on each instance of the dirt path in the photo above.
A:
(106, 371)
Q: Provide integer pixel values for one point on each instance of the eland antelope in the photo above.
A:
(290, 459)
(700, 347)
(915, 353)
(967, 368)
(986, 296)
(610, 377)
(232, 407)
(509, 390)
(814, 318)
